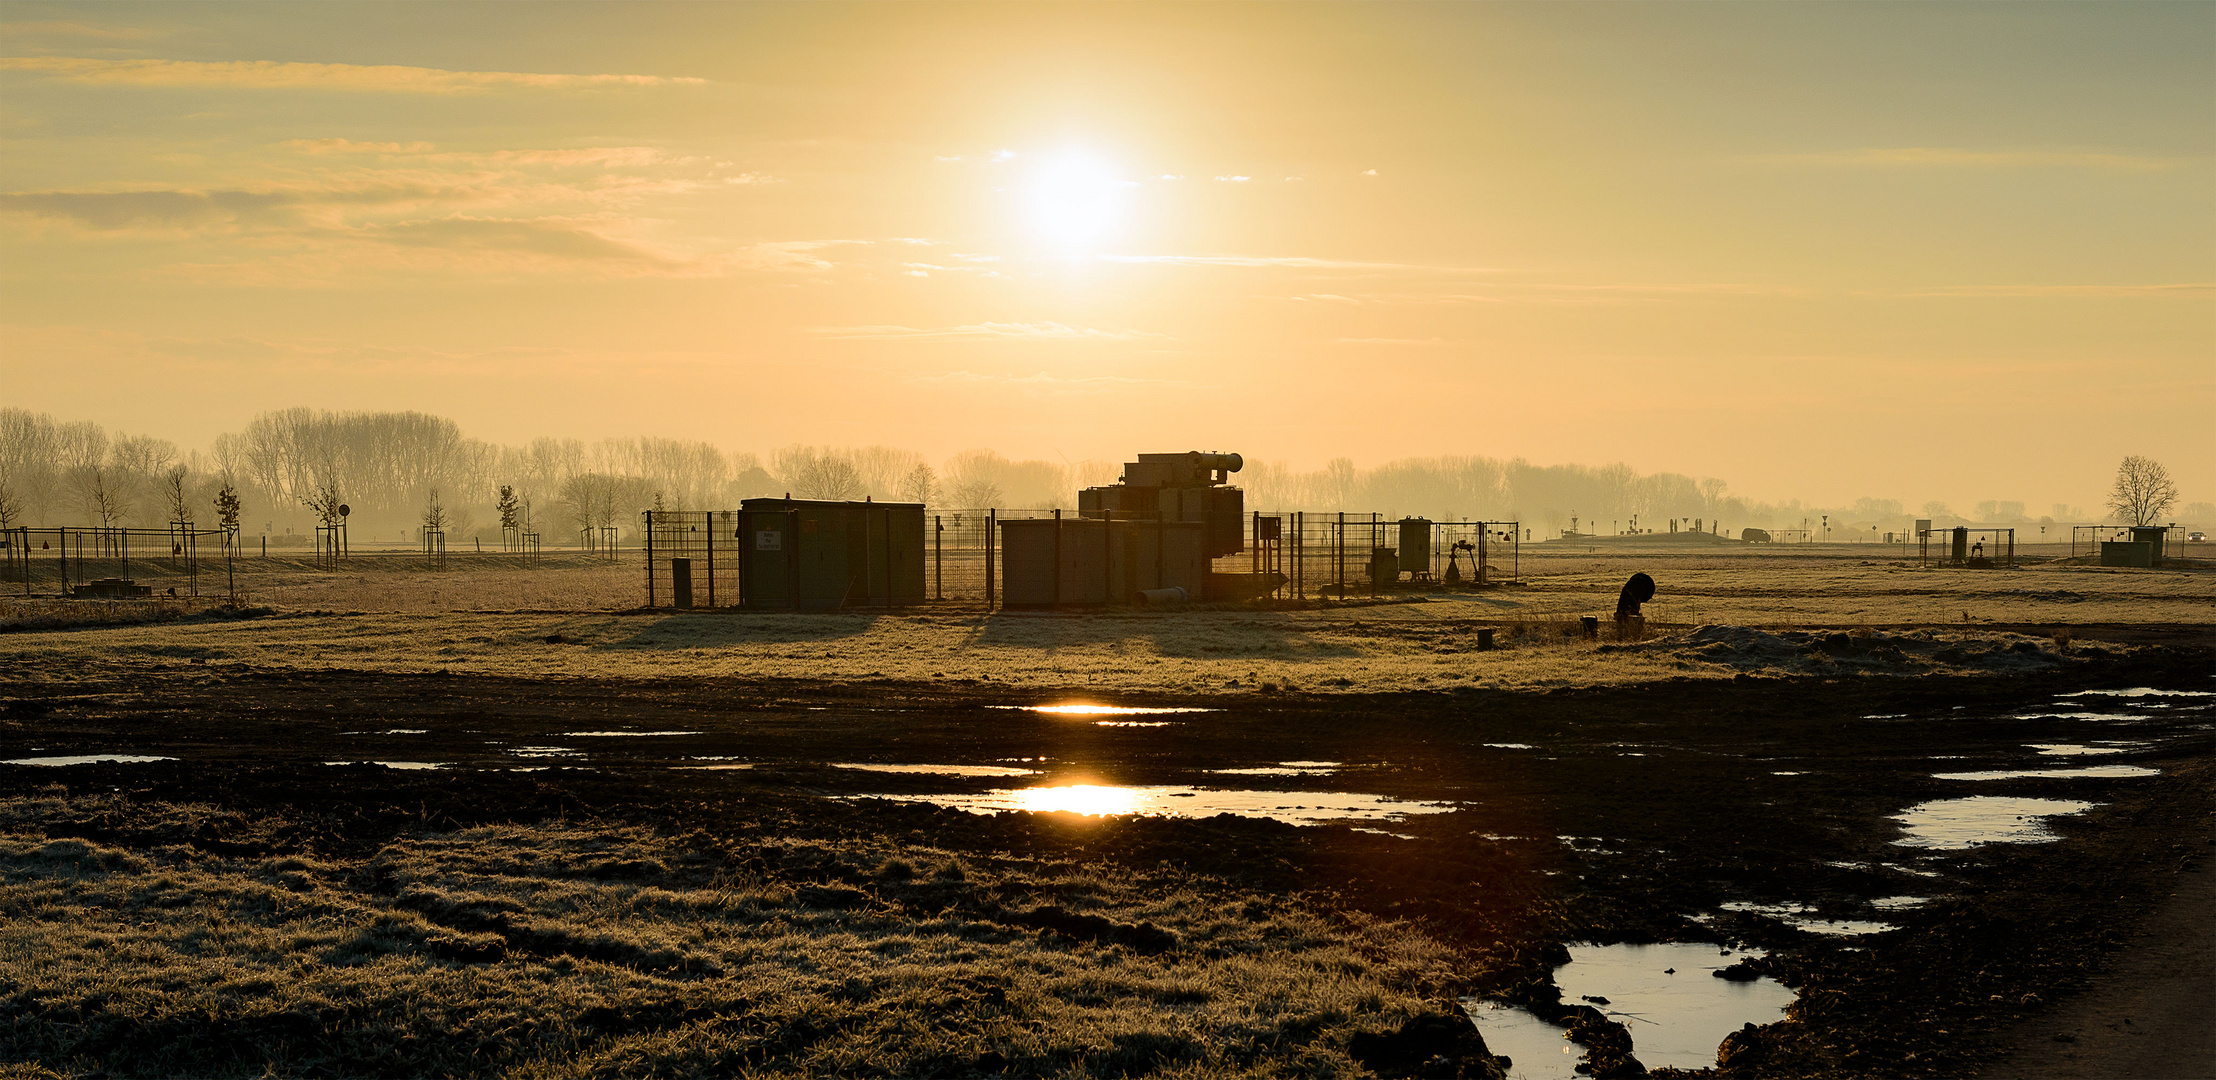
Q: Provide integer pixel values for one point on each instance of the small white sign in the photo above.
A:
(769, 540)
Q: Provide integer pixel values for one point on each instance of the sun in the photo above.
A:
(1073, 198)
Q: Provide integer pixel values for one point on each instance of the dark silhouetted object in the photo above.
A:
(1637, 591)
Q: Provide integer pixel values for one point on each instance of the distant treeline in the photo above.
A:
(396, 470)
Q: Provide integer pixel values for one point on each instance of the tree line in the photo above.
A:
(290, 469)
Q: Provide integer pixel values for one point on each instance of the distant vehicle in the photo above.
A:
(2196, 537)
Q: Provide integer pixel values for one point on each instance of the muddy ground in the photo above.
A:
(640, 941)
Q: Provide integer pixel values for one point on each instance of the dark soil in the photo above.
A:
(1671, 794)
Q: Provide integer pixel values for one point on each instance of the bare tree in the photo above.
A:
(100, 495)
(323, 500)
(920, 485)
(174, 492)
(2143, 491)
(819, 473)
(434, 513)
(28, 469)
(11, 502)
(508, 505)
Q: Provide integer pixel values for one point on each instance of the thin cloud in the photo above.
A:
(349, 146)
(2179, 288)
(999, 331)
(427, 153)
(282, 75)
(1051, 383)
(551, 238)
(1947, 157)
(113, 211)
(1234, 179)
(1293, 261)
(61, 28)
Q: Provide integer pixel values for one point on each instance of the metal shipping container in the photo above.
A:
(815, 554)
(1085, 561)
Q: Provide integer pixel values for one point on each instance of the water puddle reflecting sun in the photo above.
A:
(937, 770)
(2108, 771)
(85, 759)
(1666, 995)
(1959, 824)
(1103, 710)
(1108, 800)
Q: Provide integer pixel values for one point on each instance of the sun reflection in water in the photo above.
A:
(1080, 709)
(1096, 800)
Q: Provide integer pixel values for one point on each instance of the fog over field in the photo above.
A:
(389, 467)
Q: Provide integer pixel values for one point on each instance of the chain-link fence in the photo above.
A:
(695, 558)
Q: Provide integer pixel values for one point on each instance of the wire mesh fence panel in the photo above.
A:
(97, 561)
(693, 558)
(963, 548)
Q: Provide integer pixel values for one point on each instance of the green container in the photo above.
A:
(806, 553)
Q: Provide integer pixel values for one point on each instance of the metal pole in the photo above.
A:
(990, 519)
(938, 557)
(711, 532)
(650, 563)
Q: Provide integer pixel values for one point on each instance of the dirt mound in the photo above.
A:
(1836, 652)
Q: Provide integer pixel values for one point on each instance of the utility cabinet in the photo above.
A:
(809, 553)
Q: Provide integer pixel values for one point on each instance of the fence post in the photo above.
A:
(650, 561)
(711, 531)
(1339, 554)
(991, 516)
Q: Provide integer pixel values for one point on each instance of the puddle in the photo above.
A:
(1787, 772)
(716, 768)
(2110, 771)
(941, 770)
(1955, 824)
(1803, 918)
(1133, 723)
(1284, 768)
(620, 734)
(1102, 800)
(1536, 1050)
(1510, 745)
(394, 764)
(1899, 903)
(2142, 691)
(85, 759)
(545, 751)
(2073, 750)
(2078, 716)
(1676, 1020)
(392, 731)
(1103, 710)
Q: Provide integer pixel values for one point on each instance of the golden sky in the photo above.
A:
(1936, 251)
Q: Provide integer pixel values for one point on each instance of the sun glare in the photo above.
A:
(1091, 799)
(1074, 198)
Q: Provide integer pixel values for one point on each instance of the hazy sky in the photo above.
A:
(1820, 251)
